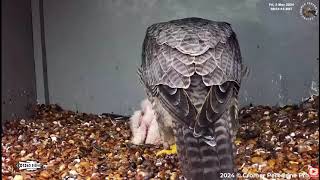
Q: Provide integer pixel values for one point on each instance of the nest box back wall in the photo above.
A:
(18, 77)
(93, 49)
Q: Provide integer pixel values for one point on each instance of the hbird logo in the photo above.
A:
(308, 11)
(29, 165)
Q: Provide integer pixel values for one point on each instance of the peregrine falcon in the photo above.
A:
(192, 69)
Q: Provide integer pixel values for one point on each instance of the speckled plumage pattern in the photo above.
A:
(191, 69)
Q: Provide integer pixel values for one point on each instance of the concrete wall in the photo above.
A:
(93, 49)
(17, 60)
(38, 51)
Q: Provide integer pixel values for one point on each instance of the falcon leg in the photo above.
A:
(167, 134)
(172, 150)
(168, 142)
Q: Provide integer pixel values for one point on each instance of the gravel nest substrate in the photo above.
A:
(73, 145)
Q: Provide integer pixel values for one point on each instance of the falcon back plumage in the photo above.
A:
(191, 69)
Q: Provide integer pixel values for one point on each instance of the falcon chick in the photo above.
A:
(192, 71)
(144, 126)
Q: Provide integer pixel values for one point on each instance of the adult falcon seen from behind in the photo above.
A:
(192, 71)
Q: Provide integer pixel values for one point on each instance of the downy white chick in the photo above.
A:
(144, 126)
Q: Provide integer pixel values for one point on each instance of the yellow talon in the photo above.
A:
(172, 150)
